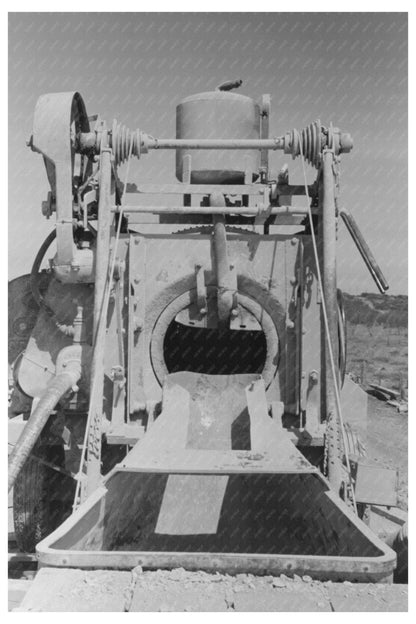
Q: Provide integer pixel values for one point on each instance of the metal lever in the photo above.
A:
(226, 276)
(365, 251)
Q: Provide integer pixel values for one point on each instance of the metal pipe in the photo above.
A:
(255, 189)
(100, 325)
(365, 251)
(276, 143)
(329, 285)
(225, 292)
(103, 236)
(55, 390)
(233, 210)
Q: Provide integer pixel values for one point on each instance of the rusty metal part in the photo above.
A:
(365, 251)
(56, 389)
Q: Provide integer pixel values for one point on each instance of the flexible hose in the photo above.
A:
(55, 390)
(68, 330)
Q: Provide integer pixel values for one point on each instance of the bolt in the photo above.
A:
(294, 240)
(234, 312)
(293, 281)
(313, 377)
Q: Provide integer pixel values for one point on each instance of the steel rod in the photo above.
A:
(365, 251)
(225, 294)
(100, 315)
(329, 285)
(232, 210)
(207, 189)
(277, 143)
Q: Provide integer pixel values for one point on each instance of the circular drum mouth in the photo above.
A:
(176, 347)
(221, 351)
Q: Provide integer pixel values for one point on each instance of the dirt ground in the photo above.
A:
(378, 354)
(387, 442)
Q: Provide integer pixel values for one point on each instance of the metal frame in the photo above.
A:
(358, 569)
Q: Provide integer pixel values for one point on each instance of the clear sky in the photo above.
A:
(347, 68)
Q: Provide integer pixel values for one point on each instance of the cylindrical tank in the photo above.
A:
(217, 115)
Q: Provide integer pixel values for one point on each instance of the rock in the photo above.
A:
(278, 582)
(178, 574)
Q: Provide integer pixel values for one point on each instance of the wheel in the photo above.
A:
(42, 496)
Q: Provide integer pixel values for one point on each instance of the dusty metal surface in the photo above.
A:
(216, 485)
(215, 480)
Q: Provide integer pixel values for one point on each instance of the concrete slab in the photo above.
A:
(64, 589)
(17, 589)
(368, 598)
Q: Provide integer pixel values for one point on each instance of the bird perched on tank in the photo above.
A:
(228, 85)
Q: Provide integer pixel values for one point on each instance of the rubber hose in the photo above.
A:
(34, 274)
(55, 390)
(34, 284)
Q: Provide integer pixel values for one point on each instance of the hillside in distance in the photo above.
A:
(375, 309)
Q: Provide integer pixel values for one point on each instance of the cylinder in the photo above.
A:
(217, 115)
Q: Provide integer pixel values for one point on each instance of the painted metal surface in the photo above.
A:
(217, 115)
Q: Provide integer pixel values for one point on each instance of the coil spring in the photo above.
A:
(308, 142)
(122, 139)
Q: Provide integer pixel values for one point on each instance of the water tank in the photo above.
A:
(218, 115)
